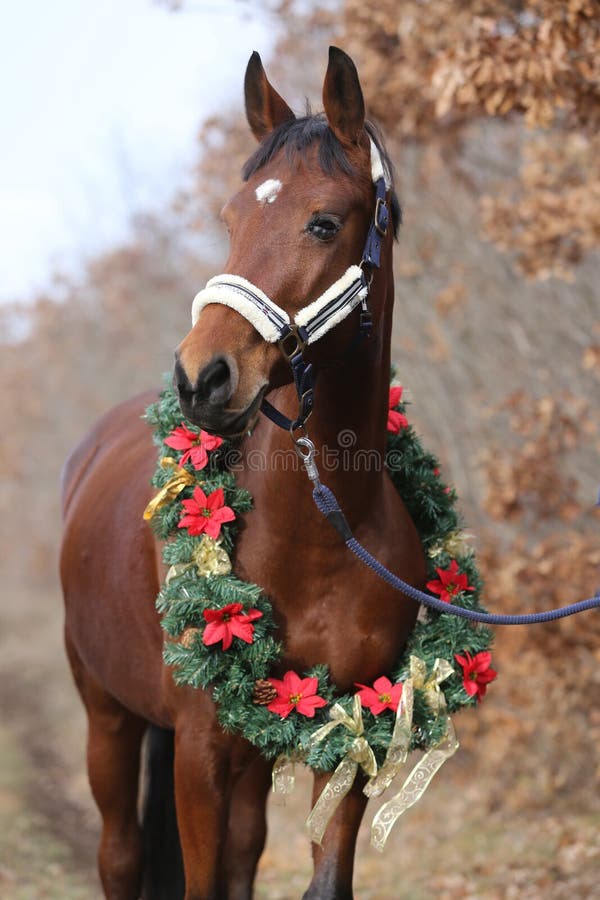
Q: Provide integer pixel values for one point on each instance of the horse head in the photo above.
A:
(296, 227)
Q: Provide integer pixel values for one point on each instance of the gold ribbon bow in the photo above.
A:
(179, 480)
(430, 686)
(420, 777)
(359, 754)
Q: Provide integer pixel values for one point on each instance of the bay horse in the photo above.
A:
(297, 223)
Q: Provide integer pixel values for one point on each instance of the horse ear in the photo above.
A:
(265, 109)
(343, 98)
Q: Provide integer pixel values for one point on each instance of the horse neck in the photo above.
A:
(348, 425)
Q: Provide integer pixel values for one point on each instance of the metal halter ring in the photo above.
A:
(293, 428)
(291, 343)
(381, 217)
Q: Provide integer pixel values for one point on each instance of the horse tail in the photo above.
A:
(163, 877)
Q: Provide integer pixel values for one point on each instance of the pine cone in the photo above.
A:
(263, 692)
(187, 637)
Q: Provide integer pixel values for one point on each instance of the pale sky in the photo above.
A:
(100, 102)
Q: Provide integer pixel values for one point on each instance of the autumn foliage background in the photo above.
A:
(491, 114)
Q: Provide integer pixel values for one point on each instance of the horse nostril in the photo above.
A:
(181, 381)
(214, 382)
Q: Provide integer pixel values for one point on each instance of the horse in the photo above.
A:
(297, 223)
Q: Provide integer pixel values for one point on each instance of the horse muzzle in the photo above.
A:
(204, 402)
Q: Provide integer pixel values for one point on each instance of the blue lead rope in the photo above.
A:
(328, 505)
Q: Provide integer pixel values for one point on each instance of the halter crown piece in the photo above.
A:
(316, 318)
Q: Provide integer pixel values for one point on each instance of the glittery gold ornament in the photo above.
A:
(210, 558)
(188, 636)
(455, 544)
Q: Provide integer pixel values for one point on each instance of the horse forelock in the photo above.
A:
(297, 136)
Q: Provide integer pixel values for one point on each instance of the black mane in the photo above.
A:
(297, 135)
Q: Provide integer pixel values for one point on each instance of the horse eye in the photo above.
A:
(324, 228)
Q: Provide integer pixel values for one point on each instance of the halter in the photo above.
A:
(316, 318)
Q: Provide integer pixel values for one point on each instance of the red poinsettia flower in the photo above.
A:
(196, 446)
(477, 672)
(296, 693)
(206, 515)
(396, 420)
(450, 583)
(383, 695)
(229, 622)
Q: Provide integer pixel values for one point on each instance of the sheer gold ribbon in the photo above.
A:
(359, 754)
(399, 747)
(420, 777)
(179, 480)
(284, 773)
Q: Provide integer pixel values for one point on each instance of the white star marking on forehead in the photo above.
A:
(268, 190)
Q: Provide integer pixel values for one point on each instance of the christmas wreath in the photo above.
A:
(223, 637)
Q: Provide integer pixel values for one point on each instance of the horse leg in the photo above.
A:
(247, 828)
(333, 861)
(202, 791)
(163, 863)
(113, 757)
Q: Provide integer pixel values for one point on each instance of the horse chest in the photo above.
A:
(328, 607)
